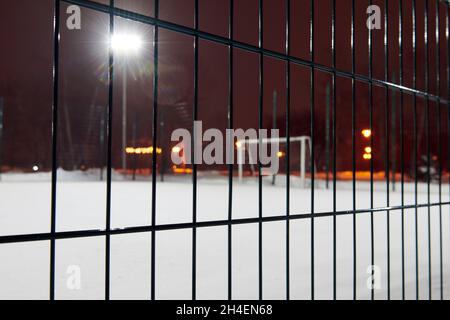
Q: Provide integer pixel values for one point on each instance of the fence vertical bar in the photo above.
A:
(438, 85)
(155, 143)
(109, 157)
(441, 253)
(194, 171)
(333, 48)
(387, 160)
(312, 55)
(401, 76)
(447, 35)
(427, 111)
(416, 231)
(56, 44)
(447, 31)
(260, 125)
(354, 151)
(288, 147)
(230, 166)
(372, 234)
(387, 172)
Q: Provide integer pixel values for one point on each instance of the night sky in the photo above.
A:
(26, 79)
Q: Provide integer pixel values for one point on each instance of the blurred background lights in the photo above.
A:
(176, 149)
(367, 133)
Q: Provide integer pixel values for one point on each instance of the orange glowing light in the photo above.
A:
(367, 156)
(176, 149)
(368, 150)
(280, 154)
(177, 170)
(143, 150)
(367, 133)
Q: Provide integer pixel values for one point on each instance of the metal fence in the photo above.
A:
(287, 216)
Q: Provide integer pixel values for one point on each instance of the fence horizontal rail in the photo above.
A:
(201, 224)
(247, 47)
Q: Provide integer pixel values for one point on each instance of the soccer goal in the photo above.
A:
(304, 143)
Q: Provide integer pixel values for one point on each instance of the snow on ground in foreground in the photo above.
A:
(25, 207)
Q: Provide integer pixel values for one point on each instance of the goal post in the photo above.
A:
(303, 141)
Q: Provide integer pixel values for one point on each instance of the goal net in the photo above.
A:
(300, 153)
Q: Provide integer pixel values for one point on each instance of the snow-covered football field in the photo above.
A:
(81, 205)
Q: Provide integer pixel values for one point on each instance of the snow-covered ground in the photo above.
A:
(81, 204)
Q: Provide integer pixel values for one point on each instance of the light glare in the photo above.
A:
(126, 43)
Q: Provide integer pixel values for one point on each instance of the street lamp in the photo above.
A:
(125, 45)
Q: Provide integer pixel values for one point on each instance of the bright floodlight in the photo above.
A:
(126, 43)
